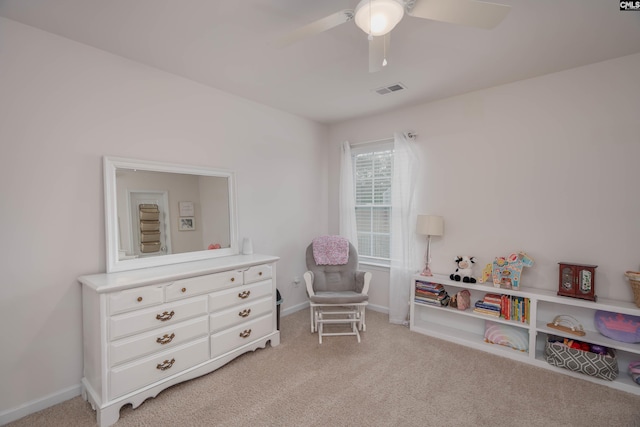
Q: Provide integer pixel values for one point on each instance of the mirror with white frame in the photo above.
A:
(162, 213)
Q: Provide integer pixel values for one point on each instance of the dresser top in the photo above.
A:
(110, 282)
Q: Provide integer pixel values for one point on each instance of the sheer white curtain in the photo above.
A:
(347, 204)
(403, 225)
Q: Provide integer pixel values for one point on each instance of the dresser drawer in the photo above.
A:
(130, 348)
(241, 295)
(132, 376)
(133, 299)
(257, 273)
(242, 313)
(240, 335)
(156, 317)
(203, 284)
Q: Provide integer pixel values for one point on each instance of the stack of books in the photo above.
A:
(515, 308)
(489, 305)
(431, 293)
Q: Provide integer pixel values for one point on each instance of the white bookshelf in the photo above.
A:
(465, 327)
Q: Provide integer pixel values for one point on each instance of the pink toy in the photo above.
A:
(618, 326)
(464, 299)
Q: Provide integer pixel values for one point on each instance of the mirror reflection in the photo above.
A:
(161, 214)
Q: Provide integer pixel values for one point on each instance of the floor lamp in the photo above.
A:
(429, 225)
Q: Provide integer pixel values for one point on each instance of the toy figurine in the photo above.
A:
(506, 271)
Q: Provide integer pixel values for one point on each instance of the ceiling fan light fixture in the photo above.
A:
(378, 17)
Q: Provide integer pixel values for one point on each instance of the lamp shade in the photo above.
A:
(378, 17)
(430, 225)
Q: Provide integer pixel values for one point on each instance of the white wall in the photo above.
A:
(548, 165)
(64, 105)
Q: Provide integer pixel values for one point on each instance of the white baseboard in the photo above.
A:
(39, 404)
(378, 308)
(295, 308)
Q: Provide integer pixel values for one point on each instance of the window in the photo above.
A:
(373, 174)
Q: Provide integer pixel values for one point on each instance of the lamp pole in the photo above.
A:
(427, 269)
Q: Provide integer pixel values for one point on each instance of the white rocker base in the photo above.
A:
(352, 315)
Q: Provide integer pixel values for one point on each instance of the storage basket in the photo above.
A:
(146, 215)
(149, 225)
(150, 236)
(151, 247)
(585, 362)
(634, 281)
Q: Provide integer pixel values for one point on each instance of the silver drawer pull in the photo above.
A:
(245, 333)
(244, 294)
(165, 316)
(166, 339)
(166, 364)
(245, 312)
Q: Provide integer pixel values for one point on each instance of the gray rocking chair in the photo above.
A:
(338, 294)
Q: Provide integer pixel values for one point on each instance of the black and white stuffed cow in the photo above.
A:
(463, 269)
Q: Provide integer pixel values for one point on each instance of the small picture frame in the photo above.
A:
(186, 223)
(186, 208)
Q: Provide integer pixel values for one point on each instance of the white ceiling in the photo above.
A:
(231, 45)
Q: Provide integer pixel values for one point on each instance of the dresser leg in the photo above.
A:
(108, 416)
(275, 340)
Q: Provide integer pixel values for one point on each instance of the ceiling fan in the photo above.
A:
(378, 17)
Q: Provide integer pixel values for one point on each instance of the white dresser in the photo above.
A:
(146, 330)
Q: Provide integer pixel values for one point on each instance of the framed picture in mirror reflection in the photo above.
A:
(186, 223)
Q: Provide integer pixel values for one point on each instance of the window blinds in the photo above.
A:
(373, 175)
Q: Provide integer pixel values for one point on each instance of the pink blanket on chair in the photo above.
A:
(331, 250)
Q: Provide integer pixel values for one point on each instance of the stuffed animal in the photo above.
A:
(463, 270)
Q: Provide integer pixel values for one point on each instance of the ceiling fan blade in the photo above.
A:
(317, 27)
(464, 12)
(378, 52)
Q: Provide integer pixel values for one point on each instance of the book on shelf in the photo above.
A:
(492, 298)
(436, 302)
(486, 312)
(429, 293)
(428, 286)
(484, 305)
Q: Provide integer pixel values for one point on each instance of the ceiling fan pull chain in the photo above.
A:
(384, 55)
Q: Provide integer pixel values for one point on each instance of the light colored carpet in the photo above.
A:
(393, 378)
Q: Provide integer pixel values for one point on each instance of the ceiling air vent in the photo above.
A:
(391, 88)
